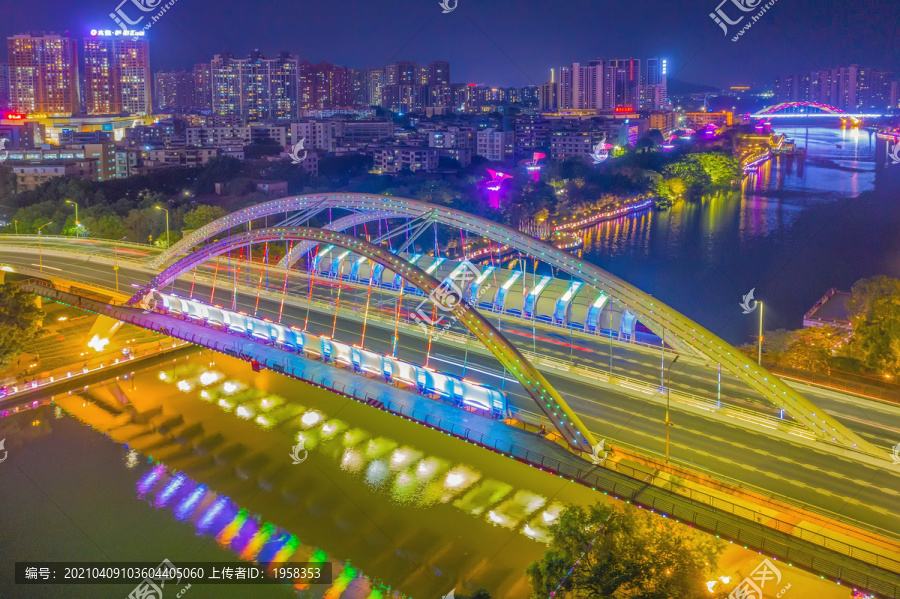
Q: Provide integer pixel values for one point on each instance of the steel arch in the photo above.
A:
(777, 108)
(689, 336)
(545, 396)
(341, 224)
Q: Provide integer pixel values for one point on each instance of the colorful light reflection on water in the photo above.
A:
(240, 531)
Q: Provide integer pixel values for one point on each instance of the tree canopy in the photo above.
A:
(20, 320)
(874, 309)
(620, 552)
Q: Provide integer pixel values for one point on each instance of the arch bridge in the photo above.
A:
(679, 332)
(806, 110)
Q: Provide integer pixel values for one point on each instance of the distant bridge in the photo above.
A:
(806, 110)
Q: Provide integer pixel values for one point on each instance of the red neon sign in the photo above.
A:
(14, 116)
(624, 108)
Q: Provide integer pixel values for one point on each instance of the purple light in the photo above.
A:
(190, 502)
(173, 485)
(150, 479)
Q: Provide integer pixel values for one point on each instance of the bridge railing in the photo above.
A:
(634, 489)
(10, 390)
(11, 238)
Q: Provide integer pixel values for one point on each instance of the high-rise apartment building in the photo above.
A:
(400, 73)
(405, 98)
(609, 84)
(360, 81)
(325, 85)
(548, 100)
(622, 84)
(117, 75)
(255, 88)
(581, 86)
(173, 90)
(654, 92)
(438, 73)
(202, 86)
(376, 83)
(853, 88)
(4, 85)
(43, 74)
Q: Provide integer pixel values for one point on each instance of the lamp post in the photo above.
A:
(41, 246)
(17, 226)
(74, 203)
(167, 224)
(668, 398)
(116, 254)
(760, 332)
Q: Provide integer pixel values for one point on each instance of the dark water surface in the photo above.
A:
(801, 227)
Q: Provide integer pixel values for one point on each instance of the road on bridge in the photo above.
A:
(855, 490)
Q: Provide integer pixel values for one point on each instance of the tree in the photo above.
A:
(812, 347)
(619, 552)
(874, 308)
(676, 186)
(20, 320)
(202, 215)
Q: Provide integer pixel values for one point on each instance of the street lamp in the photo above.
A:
(760, 332)
(116, 254)
(167, 223)
(668, 398)
(41, 246)
(17, 226)
(76, 214)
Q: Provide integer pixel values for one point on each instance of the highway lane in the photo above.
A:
(857, 491)
(877, 423)
(691, 377)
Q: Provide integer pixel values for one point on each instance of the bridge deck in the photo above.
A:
(518, 444)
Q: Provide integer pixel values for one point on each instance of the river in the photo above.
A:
(799, 228)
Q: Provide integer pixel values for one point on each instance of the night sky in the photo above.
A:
(501, 43)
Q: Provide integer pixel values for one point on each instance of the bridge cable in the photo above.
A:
(287, 271)
(311, 280)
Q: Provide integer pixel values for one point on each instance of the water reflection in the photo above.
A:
(403, 472)
(800, 226)
(403, 503)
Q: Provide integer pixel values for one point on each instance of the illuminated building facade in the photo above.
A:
(853, 88)
(608, 85)
(173, 90)
(4, 86)
(117, 75)
(325, 85)
(43, 75)
(202, 86)
(622, 83)
(255, 88)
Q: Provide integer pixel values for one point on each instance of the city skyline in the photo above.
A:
(504, 46)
